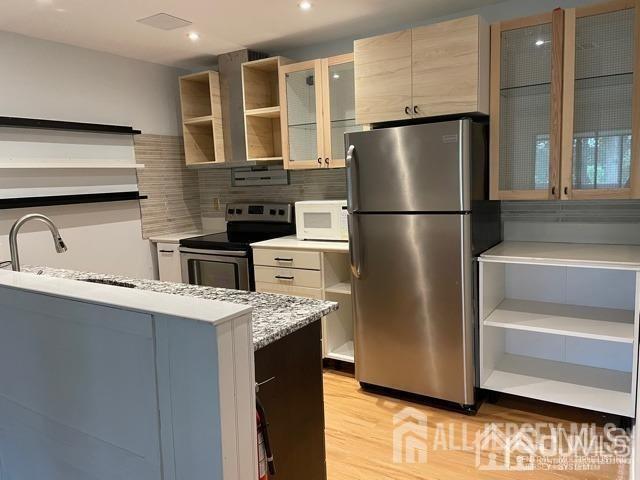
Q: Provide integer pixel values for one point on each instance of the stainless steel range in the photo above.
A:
(225, 259)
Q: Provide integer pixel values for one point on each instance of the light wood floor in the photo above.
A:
(359, 428)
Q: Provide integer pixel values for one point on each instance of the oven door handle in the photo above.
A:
(221, 253)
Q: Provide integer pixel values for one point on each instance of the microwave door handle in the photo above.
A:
(354, 245)
(352, 175)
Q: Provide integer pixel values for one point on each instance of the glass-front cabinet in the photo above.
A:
(525, 135)
(598, 121)
(301, 115)
(565, 104)
(339, 107)
(318, 99)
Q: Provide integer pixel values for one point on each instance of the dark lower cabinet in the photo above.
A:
(292, 396)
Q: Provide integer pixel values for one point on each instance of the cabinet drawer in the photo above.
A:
(288, 276)
(289, 290)
(286, 258)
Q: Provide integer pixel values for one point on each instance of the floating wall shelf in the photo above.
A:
(19, 122)
(70, 166)
(6, 203)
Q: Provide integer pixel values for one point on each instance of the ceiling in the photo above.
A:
(223, 25)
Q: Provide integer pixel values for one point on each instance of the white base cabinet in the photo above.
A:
(169, 268)
(314, 270)
(560, 326)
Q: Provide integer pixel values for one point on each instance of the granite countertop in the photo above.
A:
(274, 316)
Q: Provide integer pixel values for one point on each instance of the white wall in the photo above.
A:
(101, 237)
(49, 80)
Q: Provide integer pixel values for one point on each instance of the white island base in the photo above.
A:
(113, 383)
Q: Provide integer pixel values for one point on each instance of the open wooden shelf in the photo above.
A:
(268, 112)
(20, 122)
(207, 119)
(564, 383)
(261, 96)
(608, 324)
(7, 203)
(202, 118)
(70, 166)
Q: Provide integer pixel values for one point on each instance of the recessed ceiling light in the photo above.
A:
(539, 42)
(336, 76)
(305, 5)
(61, 10)
(193, 36)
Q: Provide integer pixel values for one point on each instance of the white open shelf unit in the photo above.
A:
(338, 326)
(559, 322)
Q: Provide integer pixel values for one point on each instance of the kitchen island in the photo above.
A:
(151, 381)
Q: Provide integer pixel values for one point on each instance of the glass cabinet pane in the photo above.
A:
(301, 115)
(603, 91)
(342, 106)
(525, 108)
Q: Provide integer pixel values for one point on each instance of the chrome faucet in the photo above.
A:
(13, 237)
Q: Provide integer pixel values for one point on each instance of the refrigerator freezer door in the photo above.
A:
(412, 304)
(417, 168)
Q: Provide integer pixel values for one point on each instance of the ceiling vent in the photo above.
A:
(164, 21)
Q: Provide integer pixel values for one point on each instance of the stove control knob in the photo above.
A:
(230, 211)
(238, 211)
(280, 212)
(272, 212)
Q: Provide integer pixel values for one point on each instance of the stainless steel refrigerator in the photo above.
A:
(418, 213)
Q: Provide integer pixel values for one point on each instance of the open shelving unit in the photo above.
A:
(202, 119)
(559, 322)
(338, 326)
(261, 95)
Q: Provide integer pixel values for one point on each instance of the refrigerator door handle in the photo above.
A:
(352, 191)
(354, 246)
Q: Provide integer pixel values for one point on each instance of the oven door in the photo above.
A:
(213, 268)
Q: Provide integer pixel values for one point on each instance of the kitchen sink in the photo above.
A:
(103, 281)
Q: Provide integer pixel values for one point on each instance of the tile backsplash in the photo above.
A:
(216, 189)
(174, 199)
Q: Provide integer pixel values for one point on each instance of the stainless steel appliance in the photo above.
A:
(322, 220)
(418, 213)
(225, 259)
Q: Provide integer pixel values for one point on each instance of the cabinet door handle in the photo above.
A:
(407, 110)
(283, 277)
(415, 109)
(566, 190)
(553, 191)
(165, 251)
(319, 160)
(281, 259)
(326, 161)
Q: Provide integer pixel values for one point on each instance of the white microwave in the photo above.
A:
(322, 220)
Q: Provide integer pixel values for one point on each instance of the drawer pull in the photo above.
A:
(165, 251)
(280, 259)
(282, 277)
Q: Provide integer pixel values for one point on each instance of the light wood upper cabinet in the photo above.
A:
(318, 108)
(565, 104)
(438, 69)
(600, 157)
(383, 77)
(450, 67)
(202, 119)
(526, 83)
